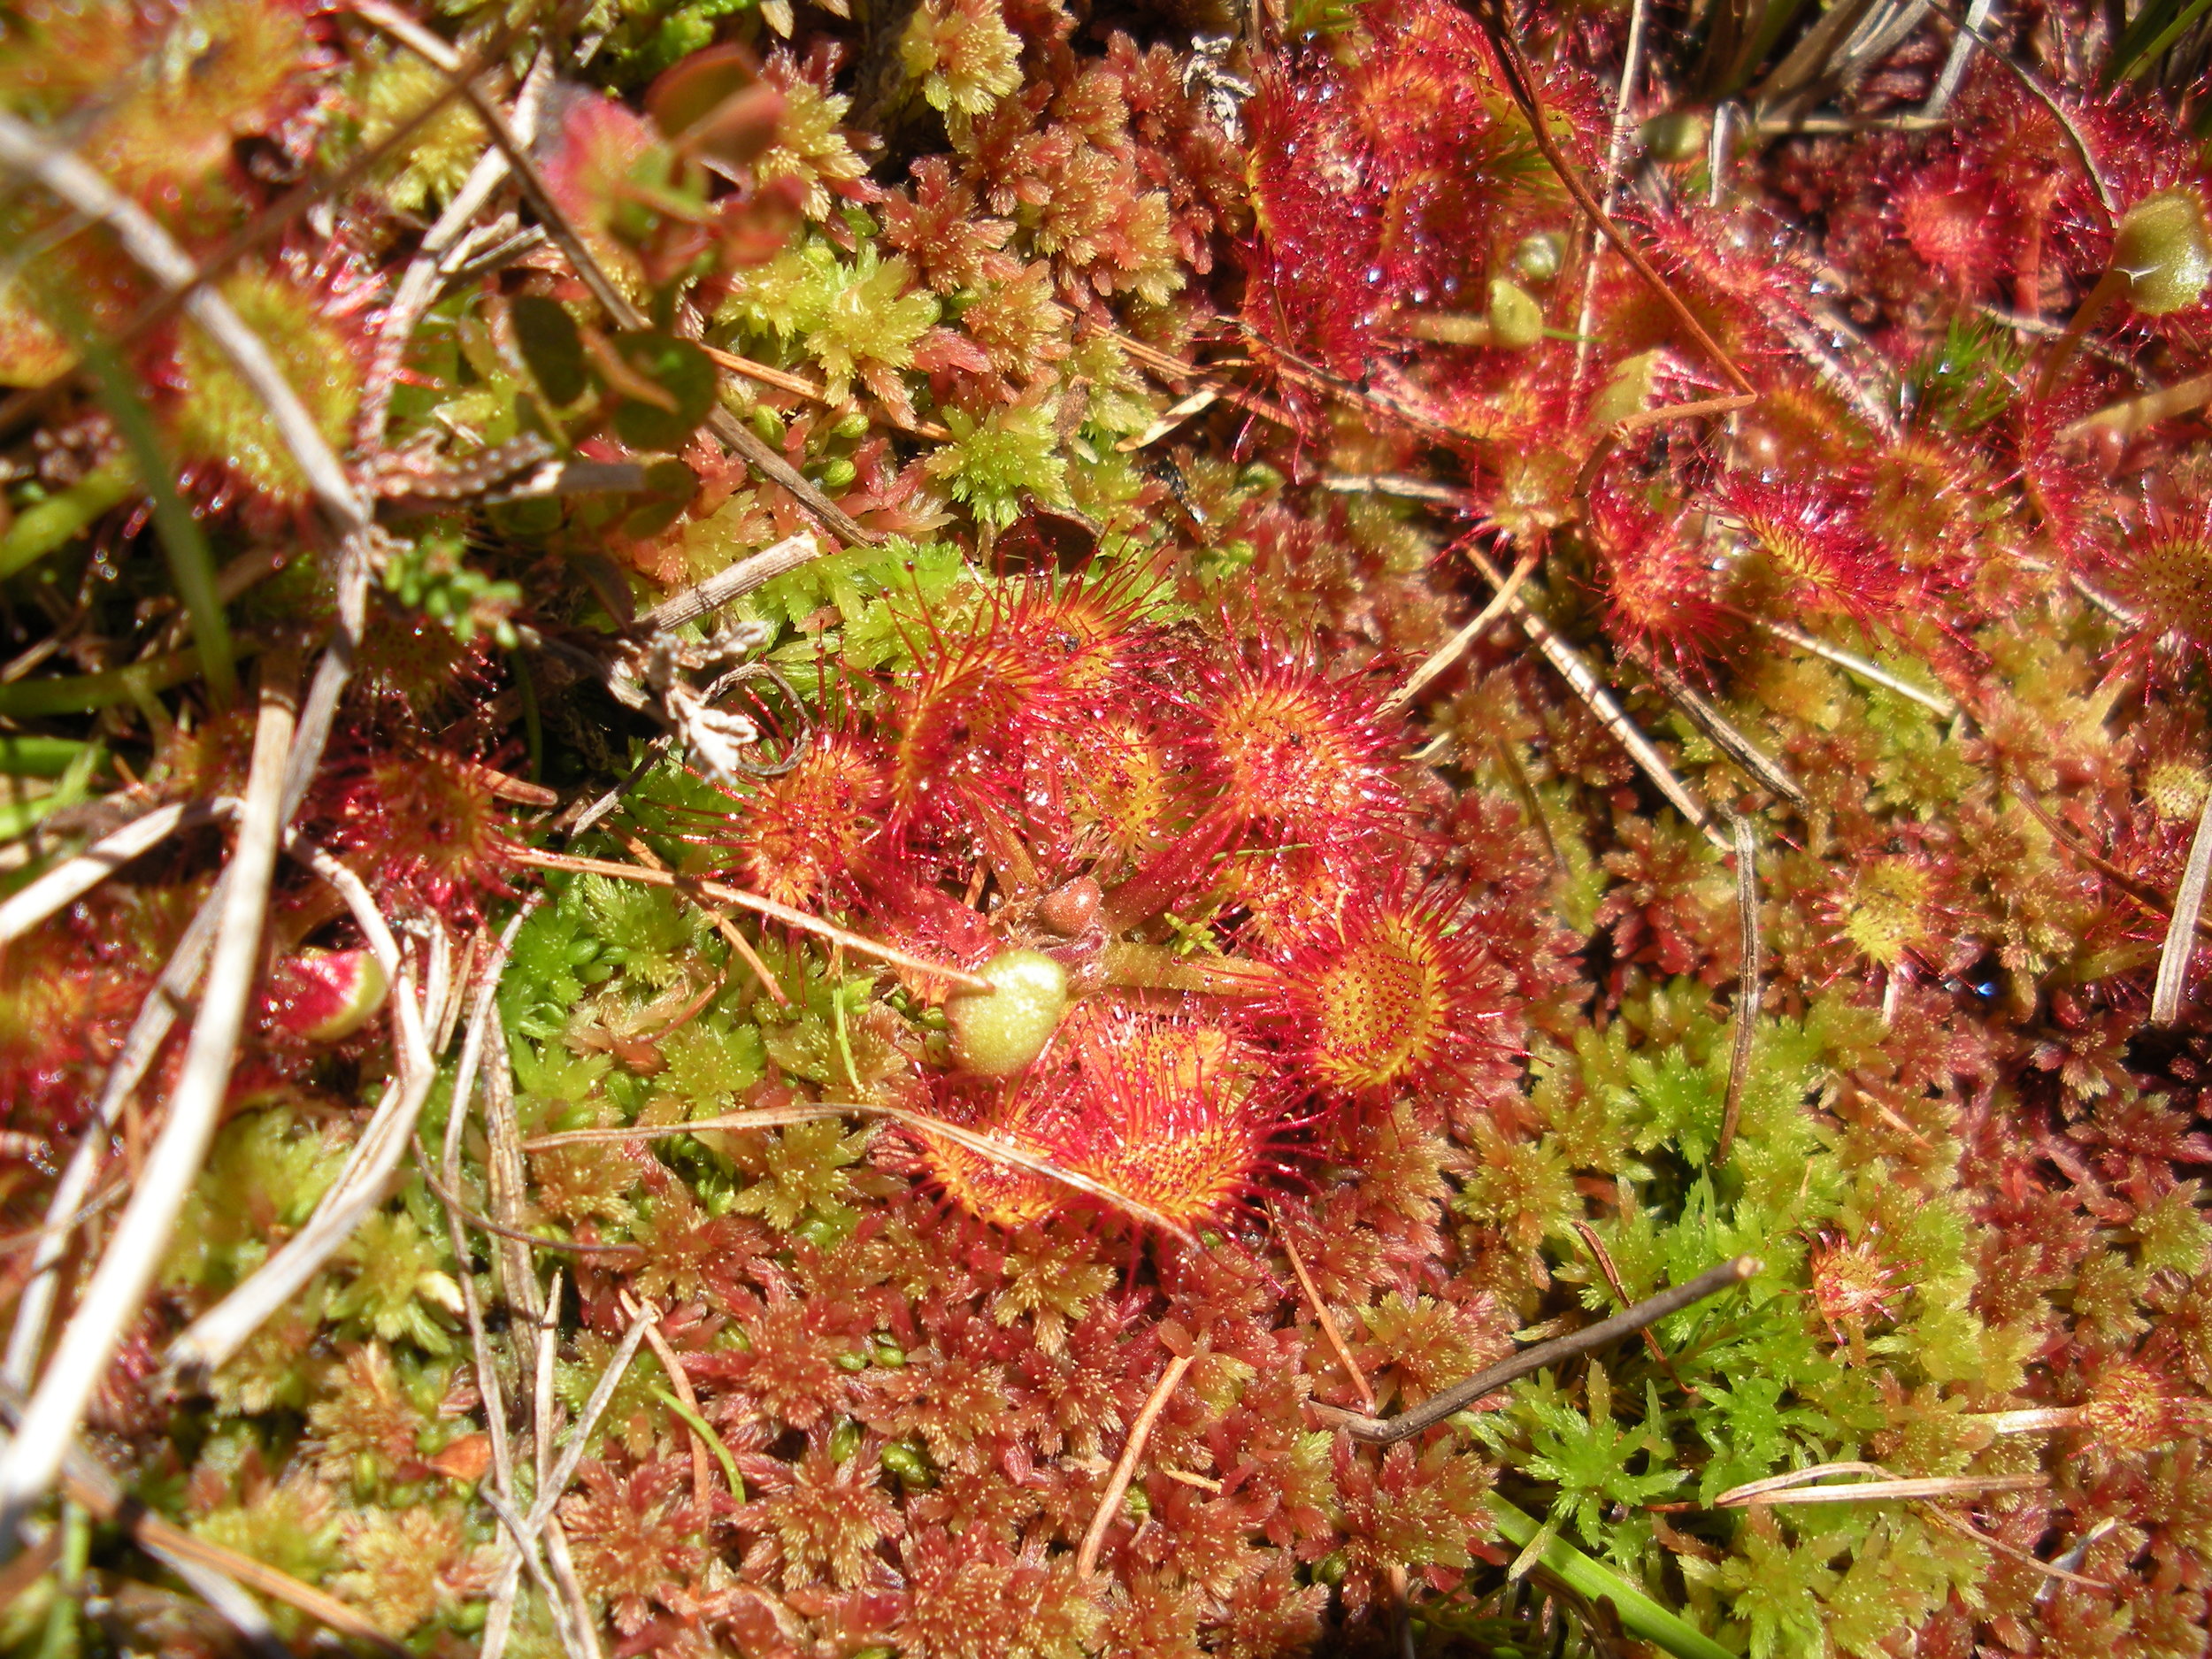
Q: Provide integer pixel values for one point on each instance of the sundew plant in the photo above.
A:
(1015, 829)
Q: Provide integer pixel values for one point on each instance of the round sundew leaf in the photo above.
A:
(2165, 246)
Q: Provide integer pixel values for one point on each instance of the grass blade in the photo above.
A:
(191, 565)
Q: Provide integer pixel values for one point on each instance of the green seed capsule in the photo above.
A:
(2164, 247)
(1537, 258)
(1678, 135)
(995, 1033)
(1516, 321)
(837, 472)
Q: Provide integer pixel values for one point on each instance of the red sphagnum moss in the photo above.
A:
(1123, 404)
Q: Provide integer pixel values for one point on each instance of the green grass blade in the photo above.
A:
(25, 756)
(37, 531)
(191, 563)
(1639, 1615)
(2155, 28)
(80, 694)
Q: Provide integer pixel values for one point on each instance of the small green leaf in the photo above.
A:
(682, 371)
(22, 756)
(552, 346)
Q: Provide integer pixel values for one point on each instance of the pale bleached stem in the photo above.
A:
(472, 1039)
(564, 1470)
(71, 880)
(1616, 156)
(554, 1596)
(1457, 646)
(751, 572)
(211, 1340)
(2181, 929)
(1583, 678)
(1859, 668)
(583, 1643)
(319, 709)
(506, 1174)
(117, 1289)
(426, 271)
(24, 149)
(34, 1308)
(543, 1327)
(1954, 74)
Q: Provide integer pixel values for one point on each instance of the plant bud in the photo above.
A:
(2162, 246)
(321, 996)
(1537, 258)
(1516, 321)
(1677, 136)
(995, 1033)
(1070, 910)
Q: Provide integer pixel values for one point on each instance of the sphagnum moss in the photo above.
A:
(1142, 383)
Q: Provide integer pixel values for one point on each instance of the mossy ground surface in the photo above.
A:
(1397, 1030)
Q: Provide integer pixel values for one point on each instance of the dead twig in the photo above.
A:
(1954, 74)
(209, 1341)
(555, 1480)
(69, 881)
(754, 570)
(118, 1287)
(1204, 398)
(1795, 1488)
(1445, 655)
(1125, 1465)
(582, 1633)
(1858, 667)
(1321, 1314)
(1747, 985)
(545, 1328)
(1699, 711)
(723, 893)
(2181, 931)
(1449, 1402)
(1400, 486)
(1583, 678)
(1603, 1257)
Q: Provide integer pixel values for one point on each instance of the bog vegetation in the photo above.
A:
(816, 817)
